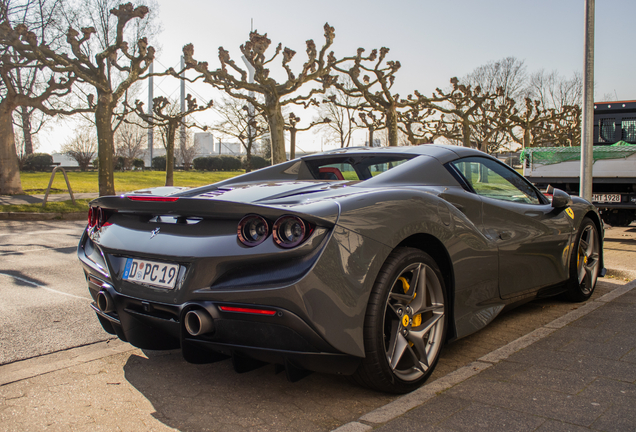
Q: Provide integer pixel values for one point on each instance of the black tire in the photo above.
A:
(405, 323)
(619, 218)
(584, 263)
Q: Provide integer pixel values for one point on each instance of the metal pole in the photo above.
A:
(587, 124)
(183, 107)
(150, 129)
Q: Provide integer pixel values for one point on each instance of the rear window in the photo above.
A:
(353, 168)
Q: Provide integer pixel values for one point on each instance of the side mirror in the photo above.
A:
(560, 199)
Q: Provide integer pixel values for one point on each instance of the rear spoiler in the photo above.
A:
(322, 213)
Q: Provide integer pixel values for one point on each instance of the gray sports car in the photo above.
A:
(361, 261)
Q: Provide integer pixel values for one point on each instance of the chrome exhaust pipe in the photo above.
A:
(198, 322)
(105, 302)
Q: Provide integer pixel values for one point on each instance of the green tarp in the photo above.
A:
(552, 155)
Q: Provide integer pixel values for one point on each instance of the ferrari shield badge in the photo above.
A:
(567, 210)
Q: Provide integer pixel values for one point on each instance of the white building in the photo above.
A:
(64, 160)
(207, 146)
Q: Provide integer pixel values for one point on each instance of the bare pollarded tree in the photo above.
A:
(371, 121)
(95, 71)
(463, 105)
(23, 84)
(168, 117)
(507, 80)
(43, 18)
(292, 127)
(235, 80)
(423, 126)
(373, 79)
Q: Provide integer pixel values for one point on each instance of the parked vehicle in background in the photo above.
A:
(614, 169)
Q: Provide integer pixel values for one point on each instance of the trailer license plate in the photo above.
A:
(606, 198)
(151, 273)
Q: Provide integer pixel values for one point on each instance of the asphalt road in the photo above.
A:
(43, 296)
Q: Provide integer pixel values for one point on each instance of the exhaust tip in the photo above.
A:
(105, 302)
(198, 322)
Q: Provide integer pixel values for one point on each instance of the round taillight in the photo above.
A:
(289, 231)
(252, 230)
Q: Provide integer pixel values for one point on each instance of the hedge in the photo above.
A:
(217, 163)
(257, 162)
(38, 162)
(159, 163)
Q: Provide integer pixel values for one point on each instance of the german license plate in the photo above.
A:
(606, 198)
(151, 273)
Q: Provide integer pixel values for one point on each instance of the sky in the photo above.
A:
(433, 40)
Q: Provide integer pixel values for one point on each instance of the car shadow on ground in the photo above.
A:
(213, 397)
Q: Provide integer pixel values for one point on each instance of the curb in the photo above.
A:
(29, 368)
(30, 216)
(403, 404)
(621, 273)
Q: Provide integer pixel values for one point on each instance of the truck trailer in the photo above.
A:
(614, 168)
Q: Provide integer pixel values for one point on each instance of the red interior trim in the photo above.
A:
(330, 170)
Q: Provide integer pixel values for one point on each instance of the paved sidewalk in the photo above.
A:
(577, 373)
(39, 198)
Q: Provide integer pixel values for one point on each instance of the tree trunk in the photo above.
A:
(526, 138)
(9, 168)
(172, 133)
(292, 144)
(392, 127)
(276, 124)
(25, 115)
(371, 129)
(466, 133)
(105, 142)
(248, 162)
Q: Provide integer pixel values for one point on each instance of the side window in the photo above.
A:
(490, 179)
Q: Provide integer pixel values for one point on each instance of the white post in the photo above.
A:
(150, 106)
(183, 107)
(587, 124)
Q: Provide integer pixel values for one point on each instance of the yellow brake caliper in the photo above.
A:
(417, 319)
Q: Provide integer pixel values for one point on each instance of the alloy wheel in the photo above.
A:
(588, 259)
(414, 322)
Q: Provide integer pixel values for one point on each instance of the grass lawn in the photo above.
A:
(36, 183)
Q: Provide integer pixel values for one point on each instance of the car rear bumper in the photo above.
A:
(280, 338)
